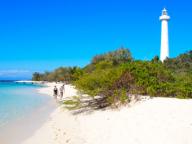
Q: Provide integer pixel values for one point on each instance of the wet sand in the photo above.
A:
(17, 131)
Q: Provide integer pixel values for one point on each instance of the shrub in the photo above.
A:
(114, 75)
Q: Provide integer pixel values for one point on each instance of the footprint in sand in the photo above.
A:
(67, 140)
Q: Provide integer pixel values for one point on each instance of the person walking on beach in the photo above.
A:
(55, 92)
(62, 88)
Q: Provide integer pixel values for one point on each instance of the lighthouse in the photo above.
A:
(164, 35)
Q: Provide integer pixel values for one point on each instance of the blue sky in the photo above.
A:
(38, 35)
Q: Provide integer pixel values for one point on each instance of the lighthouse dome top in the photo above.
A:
(164, 12)
(164, 15)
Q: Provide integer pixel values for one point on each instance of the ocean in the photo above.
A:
(19, 100)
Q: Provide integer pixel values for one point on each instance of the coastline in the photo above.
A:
(55, 128)
(157, 120)
(23, 127)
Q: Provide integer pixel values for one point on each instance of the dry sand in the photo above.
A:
(154, 121)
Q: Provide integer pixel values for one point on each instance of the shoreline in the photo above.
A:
(24, 126)
(157, 120)
(52, 129)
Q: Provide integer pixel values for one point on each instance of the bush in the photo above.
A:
(119, 56)
(114, 75)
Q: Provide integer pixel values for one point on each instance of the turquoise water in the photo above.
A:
(18, 100)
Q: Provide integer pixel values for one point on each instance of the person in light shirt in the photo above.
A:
(62, 89)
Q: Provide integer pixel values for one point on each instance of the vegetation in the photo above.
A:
(116, 75)
(180, 64)
(67, 74)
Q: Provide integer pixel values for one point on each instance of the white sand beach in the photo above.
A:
(154, 121)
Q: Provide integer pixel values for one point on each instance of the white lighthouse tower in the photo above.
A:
(164, 35)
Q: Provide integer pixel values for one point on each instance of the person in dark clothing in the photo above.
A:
(55, 92)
